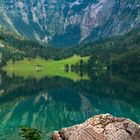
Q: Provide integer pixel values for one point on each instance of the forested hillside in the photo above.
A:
(120, 52)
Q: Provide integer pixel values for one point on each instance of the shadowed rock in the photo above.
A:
(101, 127)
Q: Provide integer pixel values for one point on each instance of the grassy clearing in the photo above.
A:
(27, 68)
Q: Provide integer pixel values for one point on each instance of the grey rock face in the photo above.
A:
(69, 21)
(101, 127)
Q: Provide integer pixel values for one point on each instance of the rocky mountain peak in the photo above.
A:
(69, 22)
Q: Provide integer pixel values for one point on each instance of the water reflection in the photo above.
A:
(52, 103)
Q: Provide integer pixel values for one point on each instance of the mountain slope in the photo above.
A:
(69, 22)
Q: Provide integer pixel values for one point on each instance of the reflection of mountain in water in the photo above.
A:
(53, 103)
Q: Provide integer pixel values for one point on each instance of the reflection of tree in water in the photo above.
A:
(39, 102)
(52, 103)
(20, 87)
(79, 68)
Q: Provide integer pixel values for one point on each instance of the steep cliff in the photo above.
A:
(68, 22)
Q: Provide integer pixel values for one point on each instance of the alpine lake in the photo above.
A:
(51, 102)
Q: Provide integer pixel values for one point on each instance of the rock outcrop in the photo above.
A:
(101, 127)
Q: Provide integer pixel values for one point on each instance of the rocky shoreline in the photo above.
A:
(101, 127)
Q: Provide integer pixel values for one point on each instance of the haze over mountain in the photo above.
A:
(69, 22)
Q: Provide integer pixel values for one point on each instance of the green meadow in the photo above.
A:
(50, 68)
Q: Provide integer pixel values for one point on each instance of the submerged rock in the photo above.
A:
(101, 127)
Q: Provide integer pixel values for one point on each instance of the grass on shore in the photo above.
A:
(27, 68)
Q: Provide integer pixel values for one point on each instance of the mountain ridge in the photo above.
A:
(69, 22)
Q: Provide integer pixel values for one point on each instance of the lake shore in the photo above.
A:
(39, 68)
(101, 127)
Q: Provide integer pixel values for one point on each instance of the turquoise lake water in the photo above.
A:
(52, 103)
